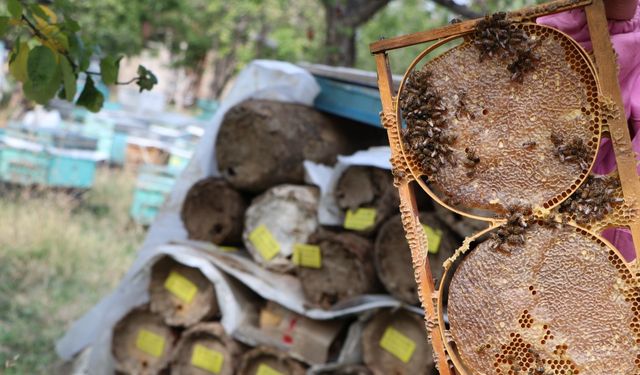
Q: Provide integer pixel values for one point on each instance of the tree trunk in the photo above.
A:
(343, 17)
(212, 337)
(212, 211)
(340, 41)
(191, 299)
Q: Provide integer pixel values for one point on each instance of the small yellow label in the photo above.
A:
(181, 287)
(150, 343)
(228, 249)
(360, 219)
(434, 236)
(266, 370)
(264, 242)
(207, 359)
(308, 256)
(398, 344)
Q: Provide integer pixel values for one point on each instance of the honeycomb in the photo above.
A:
(504, 127)
(500, 145)
(562, 303)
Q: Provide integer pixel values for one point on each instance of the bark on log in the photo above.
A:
(263, 143)
(399, 322)
(214, 212)
(367, 187)
(347, 269)
(142, 343)
(182, 295)
(393, 256)
(210, 336)
(252, 360)
(287, 214)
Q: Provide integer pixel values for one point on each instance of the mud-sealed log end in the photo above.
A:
(205, 349)
(277, 137)
(276, 221)
(214, 212)
(182, 295)
(346, 269)
(395, 342)
(367, 187)
(263, 360)
(142, 343)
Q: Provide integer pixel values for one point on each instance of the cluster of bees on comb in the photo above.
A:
(495, 36)
(512, 232)
(574, 151)
(593, 200)
(426, 135)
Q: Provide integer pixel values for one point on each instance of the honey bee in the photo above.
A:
(593, 200)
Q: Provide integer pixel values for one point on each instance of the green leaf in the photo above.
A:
(18, 65)
(15, 8)
(4, 24)
(41, 65)
(109, 67)
(146, 79)
(37, 11)
(43, 91)
(68, 78)
(71, 25)
(90, 97)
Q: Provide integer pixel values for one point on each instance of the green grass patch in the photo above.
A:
(58, 256)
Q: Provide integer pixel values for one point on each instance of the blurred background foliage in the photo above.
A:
(225, 35)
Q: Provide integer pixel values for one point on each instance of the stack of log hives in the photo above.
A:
(262, 208)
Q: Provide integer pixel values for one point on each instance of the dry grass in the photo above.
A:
(58, 256)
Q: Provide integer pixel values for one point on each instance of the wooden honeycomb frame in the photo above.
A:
(617, 127)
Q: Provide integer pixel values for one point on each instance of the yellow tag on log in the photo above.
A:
(308, 256)
(228, 249)
(181, 287)
(264, 242)
(397, 344)
(266, 370)
(207, 359)
(360, 219)
(434, 236)
(150, 343)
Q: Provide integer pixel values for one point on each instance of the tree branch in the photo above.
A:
(365, 9)
(354, 12)
(459, 9)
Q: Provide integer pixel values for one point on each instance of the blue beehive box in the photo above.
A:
(101, 129)
(152, 188)
(46, 157)
(72, 170)
(355, 102)
(23, 167)
(118, 148)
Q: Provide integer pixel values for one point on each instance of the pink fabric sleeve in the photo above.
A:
(625, 36)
